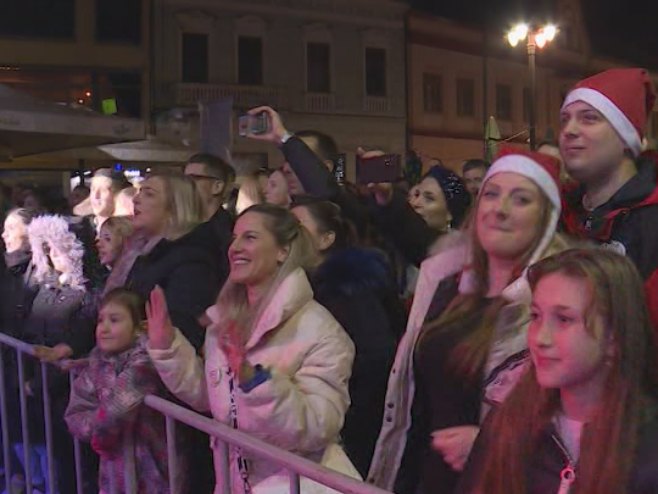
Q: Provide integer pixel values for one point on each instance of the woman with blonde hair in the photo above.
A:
(111, 238)
(465, 340)
(164, 251)
(584, 418)
(277, 363)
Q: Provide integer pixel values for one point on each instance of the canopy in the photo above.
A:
(29, 126)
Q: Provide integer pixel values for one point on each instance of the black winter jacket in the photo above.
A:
(185, 270)
(357, 287)
(549, 459)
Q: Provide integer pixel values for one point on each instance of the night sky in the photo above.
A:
(625, 29)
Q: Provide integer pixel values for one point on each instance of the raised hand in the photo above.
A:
(160, 330)
(276, 129)
(454, 444)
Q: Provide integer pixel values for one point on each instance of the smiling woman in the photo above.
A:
(467, 327)
(276, 364)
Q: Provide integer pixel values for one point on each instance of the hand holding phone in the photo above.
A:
(255, 125)
(275, 130)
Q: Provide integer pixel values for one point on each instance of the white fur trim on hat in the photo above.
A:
(519, 289)
(527, 167)
(611, 112)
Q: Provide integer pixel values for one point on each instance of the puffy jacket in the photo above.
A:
(301, 408)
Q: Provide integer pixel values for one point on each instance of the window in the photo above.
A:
(526, 104)
(432, 93)
(250, 60)
(318, 71)
(504, 102)
(375, 72)
(465, 97)
(119, 21)
(38, 18)
(195, 57)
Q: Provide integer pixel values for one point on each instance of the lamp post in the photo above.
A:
(536, 38)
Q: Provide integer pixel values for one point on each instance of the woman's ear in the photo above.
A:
(282, 255)
(327, 239)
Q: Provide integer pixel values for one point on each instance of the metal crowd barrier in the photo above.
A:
(296, 466)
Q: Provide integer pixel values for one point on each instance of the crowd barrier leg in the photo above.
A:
(77, 452)
(4, 418)
(222, 450)
(172, 457)
(47, 417)
(294, 482)
(27, 460)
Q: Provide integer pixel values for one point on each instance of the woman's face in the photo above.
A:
(15, 233)
(509, 215)
(276, 190)
(321, 241)
(567, 354)
(254, 254)
(429, 202)
(151, 214)
(108, 244)
(115, 329)
(60, 261)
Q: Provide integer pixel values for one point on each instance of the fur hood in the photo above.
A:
(54, 230)
(352, 270)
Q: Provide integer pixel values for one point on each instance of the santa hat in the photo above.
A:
(544, 171)
(625, 97)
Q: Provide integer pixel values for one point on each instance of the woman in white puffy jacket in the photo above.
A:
(277, 364)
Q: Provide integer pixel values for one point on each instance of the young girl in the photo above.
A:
(106, 403)
(111, 237)
(584, 418)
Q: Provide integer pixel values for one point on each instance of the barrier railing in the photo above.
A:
(296, 466)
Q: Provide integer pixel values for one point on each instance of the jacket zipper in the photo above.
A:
(568, 473)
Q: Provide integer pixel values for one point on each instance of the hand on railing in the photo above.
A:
(53, 354)
(160, 330)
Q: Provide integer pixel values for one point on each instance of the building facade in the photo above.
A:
(335, 66)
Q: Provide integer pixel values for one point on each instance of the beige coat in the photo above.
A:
(300, 409)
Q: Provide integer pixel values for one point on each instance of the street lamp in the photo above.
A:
(536, 38)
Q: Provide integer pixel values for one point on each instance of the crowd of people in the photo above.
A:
(488, 330)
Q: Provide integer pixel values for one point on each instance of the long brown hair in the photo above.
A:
(609, 440)
(468, 357)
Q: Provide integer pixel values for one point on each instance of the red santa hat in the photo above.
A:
(625, 97)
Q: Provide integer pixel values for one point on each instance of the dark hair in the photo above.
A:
(329, 218)
(325, 146)
(216, 166)
(119, 180)
(473, 164)
(130, 300)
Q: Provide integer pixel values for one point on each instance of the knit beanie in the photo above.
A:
(625, 97)
(457, 197)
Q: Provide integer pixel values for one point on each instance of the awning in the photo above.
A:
(29, 126)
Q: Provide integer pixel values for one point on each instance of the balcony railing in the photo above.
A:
(188, 94)
(319, 102)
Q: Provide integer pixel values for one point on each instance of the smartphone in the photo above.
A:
(339, 168)
(381, 169)
(253, 124)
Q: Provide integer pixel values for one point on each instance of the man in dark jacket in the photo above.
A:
(602, 124)
(214, 180)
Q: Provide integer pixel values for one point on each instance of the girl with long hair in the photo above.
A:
(584, 418)
(465, 340)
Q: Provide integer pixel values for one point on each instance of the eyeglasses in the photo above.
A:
(194, 176)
